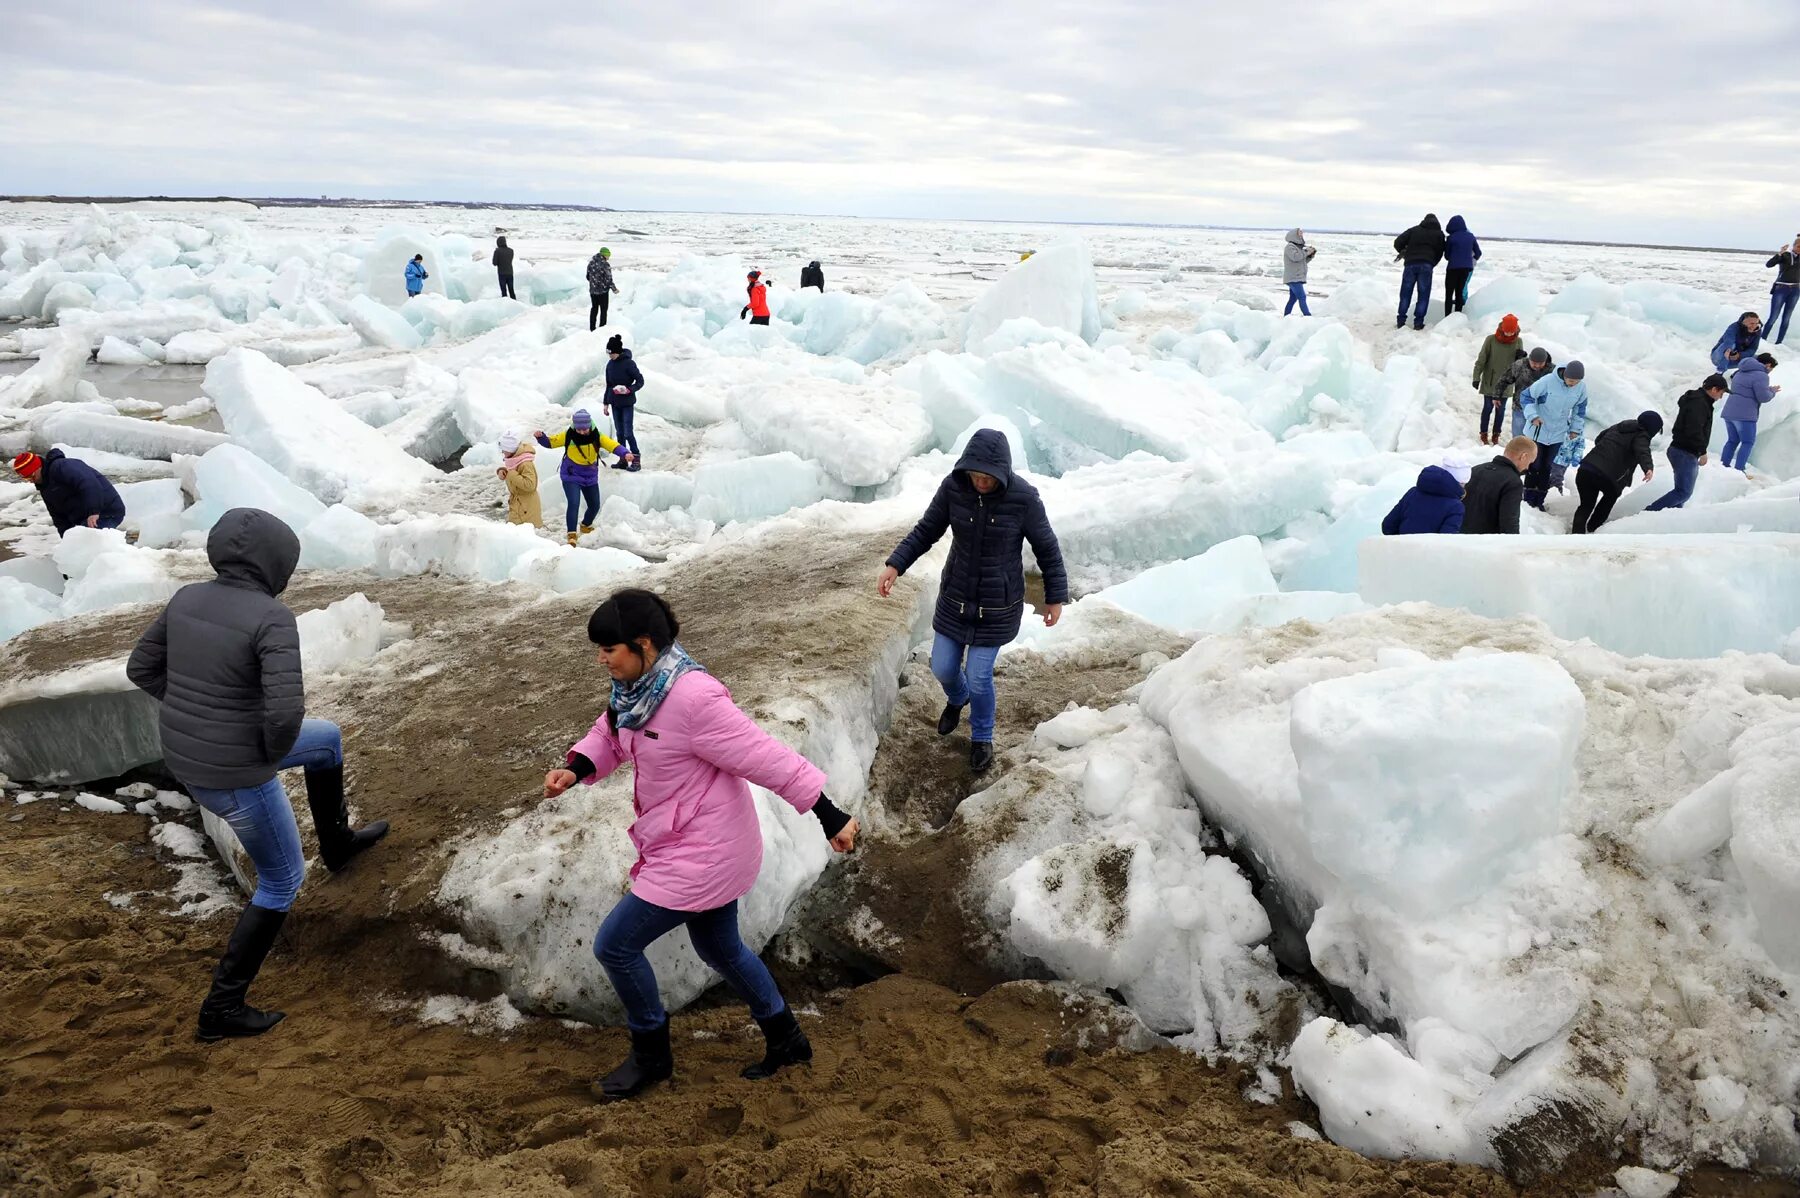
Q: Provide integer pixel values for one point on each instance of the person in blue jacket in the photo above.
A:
(73, 492)
(1433, 504)
(1750, 390)
(1555, 410)
(990, 512)
(623, 381)
(1738, 343)
(1461, 253)
(415, 275)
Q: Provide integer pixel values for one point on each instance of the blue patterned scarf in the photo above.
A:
(633, 703)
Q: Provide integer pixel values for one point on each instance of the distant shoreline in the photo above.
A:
(473, 205)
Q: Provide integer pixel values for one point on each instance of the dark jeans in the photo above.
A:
(1686, 467)
(1537, 479)
(1495, 404)
(506, 285)
(1416, 275)
(759, 320)
(1456, 287)
(575, 493)
(597, 312)
(623, 428)
(635, 924)
(1598, 494)
(1781, 299)
(1296, 295)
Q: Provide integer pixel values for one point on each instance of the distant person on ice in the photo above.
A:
(1493, 363)
(1296, 257)
(415, 275)
(601, 288)
(1421, 248)
(581, 444)
(1519, 378)
(758, 307)
(1431, 505)
(990, 512)
(1738, 343)
(1555, 414)
(503, 260)
(74, 493)
(1461, 253)
(1786, 289)
(812, 275)
(1606, 471)
(518, 470)
(699, 845)
(1750, 390)
(1496, 488)
(1689, 438)
(223, 660)
(623, 381)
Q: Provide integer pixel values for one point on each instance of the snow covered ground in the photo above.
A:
(1545, 877)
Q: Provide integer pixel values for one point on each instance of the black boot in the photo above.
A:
(651, 1061)
(981, 756)
(948, 721)
(788, 1045)
(225, 1013)
(1399, 322)
(338, 843)
(1419, 324)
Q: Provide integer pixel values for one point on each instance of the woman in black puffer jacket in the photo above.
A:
(990, 513)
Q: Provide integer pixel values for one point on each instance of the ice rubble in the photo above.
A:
(1054, 287)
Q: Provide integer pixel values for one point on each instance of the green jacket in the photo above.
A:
(1492, 363)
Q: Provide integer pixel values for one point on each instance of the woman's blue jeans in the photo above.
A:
(1740, 435)
(1296, 295)
(625, 425)
(575, 493)
(264, 820)
(967, 676)
(634, 925)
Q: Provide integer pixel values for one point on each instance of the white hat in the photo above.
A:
(509, 442)
(1459, 469)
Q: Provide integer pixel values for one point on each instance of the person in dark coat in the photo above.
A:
(1519, 376)
(1461, 253)
(1785, 290)
(223, 660)
(1433, 504)
(1689, 438)
(1421, 248)
(503, 260)
(989, 512)
(812, 275)
(74, 493)
(623, 381)
(1606, 470)
(1496, 489)
(1738, 343)
(601, 288)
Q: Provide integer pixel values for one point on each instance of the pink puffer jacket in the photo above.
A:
(698, 841)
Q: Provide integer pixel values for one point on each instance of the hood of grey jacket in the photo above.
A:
(253, 548)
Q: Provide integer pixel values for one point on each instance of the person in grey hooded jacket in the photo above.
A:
(1296, 256)
(223, 659)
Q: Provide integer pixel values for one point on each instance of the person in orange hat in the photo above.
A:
(758, 307)
(73, 491)
(1497, 355)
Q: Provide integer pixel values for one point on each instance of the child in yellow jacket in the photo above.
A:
(582, 445)
(519, 472)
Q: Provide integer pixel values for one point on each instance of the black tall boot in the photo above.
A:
(338, 843)
(787, 1045)
(651, 1061)
(225, 1013)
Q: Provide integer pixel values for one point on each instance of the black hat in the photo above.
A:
(1650, 422)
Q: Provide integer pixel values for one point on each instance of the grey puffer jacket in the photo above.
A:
(224, 659)
(1295, 257)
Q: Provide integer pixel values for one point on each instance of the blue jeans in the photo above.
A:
(575, 493)
(264, 820)
(1518, 418)
(1738, 433)
(1296, 295)
(1687, 470)
(1781, 299)
(624, 416)
(969, 682)
(631, 927)
(1416, 274)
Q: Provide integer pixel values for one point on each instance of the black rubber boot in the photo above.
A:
(787, 1045)
(981, 756)
(1418, 324)
(651, 1061)
(1399, 322)
(948, 721)
(225, 1013)
(338, 843)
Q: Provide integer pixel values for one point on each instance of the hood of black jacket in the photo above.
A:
(251, 547)
(1435, 480)
(988, 453)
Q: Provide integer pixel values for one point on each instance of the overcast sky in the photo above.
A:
(1660, 120)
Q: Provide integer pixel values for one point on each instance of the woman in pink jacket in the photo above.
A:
(698, 841)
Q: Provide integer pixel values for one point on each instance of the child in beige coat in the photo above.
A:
(519, 472)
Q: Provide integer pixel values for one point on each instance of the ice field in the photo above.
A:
(1519, 813)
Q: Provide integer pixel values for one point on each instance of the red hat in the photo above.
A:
(27, 464)
(755, 274)
(1509, 327)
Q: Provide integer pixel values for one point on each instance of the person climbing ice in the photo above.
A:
(990, 513)
(518, 470)
(1555, 417)
(415, 275)
(582, 445)
(1495, 489)
(1431, 505)
(812, 275)
(1738, 343)
(601, 288)
(1296, 258)
(1689, 438)
(699, 843)
(223, 661)
(1519, 378)
(1461, 253)
(1493, 363)
(1785, 290)
(503, 266)
(1750, 390)
(758, 307)
(623, 381)
(1421, 248)
(1606, 472)
(74, 493)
